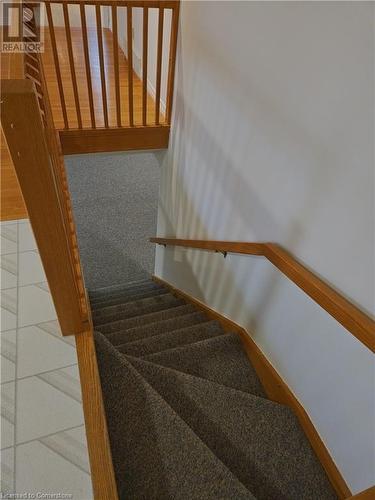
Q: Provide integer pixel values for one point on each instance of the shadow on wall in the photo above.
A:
(242, 165)
(203, 194)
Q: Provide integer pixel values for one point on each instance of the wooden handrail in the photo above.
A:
(346, 313)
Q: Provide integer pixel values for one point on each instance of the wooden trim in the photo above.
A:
(368, 494)
(275, 387)
(27, 142)
(347, 314)
(102, 473)
(114, 139)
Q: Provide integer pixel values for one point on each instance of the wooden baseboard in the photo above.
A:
(276, 389)
(113, 139)
(368, 494)
(101, 465)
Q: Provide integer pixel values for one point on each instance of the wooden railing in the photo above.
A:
(101, 95)
(36, 158)
(35, 150)
(346, 313)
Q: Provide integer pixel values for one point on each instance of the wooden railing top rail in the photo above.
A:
(166, 4)
(345, 312)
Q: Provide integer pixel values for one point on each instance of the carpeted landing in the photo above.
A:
(187, 415)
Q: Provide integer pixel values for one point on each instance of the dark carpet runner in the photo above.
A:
(187, 415)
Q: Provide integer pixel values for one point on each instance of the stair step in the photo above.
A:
(156, 454)
(168, 340)
(140, 321)
(129, 298)
(105, 291)
(260, 441)
(187, 415)
(219, 359)
(137, 308)
(156, 328)
(130, 292)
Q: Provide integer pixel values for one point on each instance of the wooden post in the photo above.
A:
(25, 136)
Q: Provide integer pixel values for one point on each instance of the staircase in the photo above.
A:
(187, 415)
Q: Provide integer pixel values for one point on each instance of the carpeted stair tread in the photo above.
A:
(136, 308)
(156, 455)
(123, 287)
(221, 359)
(168, 340)
(127, 293)
(156, 328)
(140, 320)
(129, 298)
(260, 441)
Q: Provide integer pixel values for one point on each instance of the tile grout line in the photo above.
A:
(67, 429)
(16, 367)
(60, 337)
(47, 371)
(62, 456)
(58, 388)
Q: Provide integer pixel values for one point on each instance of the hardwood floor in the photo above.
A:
(80, 71)
(12, 205)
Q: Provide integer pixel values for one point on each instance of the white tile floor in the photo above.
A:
(43, 442)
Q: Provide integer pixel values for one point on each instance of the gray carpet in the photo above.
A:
(187, 415)
(115, 208)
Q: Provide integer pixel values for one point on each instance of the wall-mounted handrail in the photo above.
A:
(345, 312)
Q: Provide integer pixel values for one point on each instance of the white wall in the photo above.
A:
(272, 139)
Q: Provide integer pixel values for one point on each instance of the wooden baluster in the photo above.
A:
(60, 179)
(130, 64)
(172, 62)
(71, 63)
(116, 65)
(144, 66)
(158, 65)
(101, 62)
(56, 64)
(87, 63)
